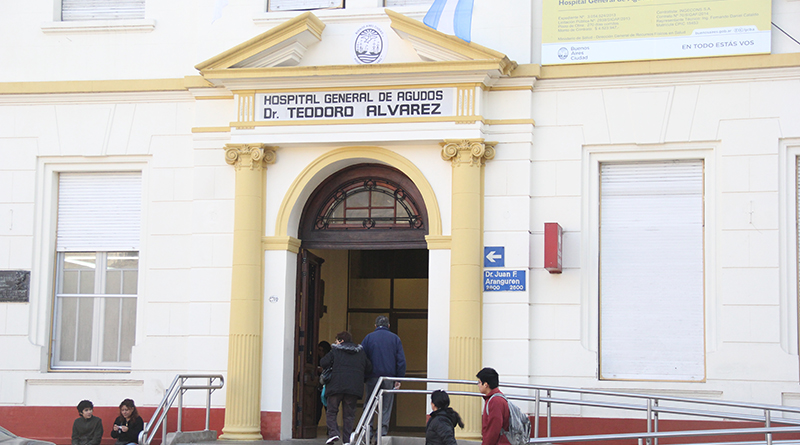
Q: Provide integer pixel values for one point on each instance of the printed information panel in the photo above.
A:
(582, 31)
(429, 102)
(503, 280)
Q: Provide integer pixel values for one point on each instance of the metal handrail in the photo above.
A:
(176, 390)
(651, 406)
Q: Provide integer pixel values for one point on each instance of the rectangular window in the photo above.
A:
(101, 9)
(97, 255)
(652, 271)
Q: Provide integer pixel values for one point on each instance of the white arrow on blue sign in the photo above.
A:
(494, 256)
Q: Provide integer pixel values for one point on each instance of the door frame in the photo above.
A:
(308, 311)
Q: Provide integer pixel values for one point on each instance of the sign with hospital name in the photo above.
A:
(503, 280)
(363, 104)
(582, 31)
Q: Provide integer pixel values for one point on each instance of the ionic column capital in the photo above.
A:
(252, 156)
(467, 151)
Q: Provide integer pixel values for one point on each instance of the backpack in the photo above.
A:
(519, 424)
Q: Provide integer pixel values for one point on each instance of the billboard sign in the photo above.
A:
(584, 31)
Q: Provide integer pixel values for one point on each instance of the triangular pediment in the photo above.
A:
(434, 46)
(284, 45)
(279, 52)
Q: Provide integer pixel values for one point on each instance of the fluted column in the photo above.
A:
(468, 158)
(243, 385)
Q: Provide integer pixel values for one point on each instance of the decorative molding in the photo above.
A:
(388, 120)
(211, 129)
(225, 97)
(435, 46)
(465, 104)
(246, 108)
(283, 45)
(252, 156)
(351, 155)
(477, 71)
(105, 86)
(509, 122)
(438, 242)
(287, 243)
(467, 151)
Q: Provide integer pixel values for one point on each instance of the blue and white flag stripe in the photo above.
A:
(452, 17)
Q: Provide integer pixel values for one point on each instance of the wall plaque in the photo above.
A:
(15, 286)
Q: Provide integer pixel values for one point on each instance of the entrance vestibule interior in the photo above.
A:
(360, 285)
(363, 254)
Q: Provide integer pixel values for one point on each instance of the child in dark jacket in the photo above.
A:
(442, 424)
(87, 429)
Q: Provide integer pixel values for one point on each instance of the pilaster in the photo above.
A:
(468, 158)
(242, 405)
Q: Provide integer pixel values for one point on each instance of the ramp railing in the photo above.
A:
(776, 419)
(180, 384)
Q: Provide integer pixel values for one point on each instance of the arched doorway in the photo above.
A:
(367, 223)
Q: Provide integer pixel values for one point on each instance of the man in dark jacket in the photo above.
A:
(350, 365)
(385, 351)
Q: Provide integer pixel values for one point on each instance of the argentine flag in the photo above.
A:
(452, 17)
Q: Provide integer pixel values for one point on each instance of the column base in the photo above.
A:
(241, 433)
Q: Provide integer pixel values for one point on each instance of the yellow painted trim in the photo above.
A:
(343, 70)
(456, 119)
(105, 86)
(713, 64)
(663, 66)
(360, 88)
(439, 242)
(509, 121)
(470, 50)
(289, 243)
(290, 200)
(514, 88)
(214, 98)
(211, 129)
(279, 34)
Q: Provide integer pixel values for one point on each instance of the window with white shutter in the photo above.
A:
(102, 9)
(97, 254)
(652, 271)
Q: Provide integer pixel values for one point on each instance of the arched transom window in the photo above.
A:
(366, 206)
(369, 203)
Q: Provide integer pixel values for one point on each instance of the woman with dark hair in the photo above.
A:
(350, 365)
(128, 425)
(442, 424)
(323, 348)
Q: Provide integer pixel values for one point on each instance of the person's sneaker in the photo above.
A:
(332, 440)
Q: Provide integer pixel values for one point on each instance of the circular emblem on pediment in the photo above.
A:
(369, 44)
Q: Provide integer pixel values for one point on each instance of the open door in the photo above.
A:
(310, 292)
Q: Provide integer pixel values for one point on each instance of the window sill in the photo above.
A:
(344, 15)
(98, 26)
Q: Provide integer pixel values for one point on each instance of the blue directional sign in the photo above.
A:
(494, 256)
(503, 280)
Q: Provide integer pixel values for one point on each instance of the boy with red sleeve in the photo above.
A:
(495, 414)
